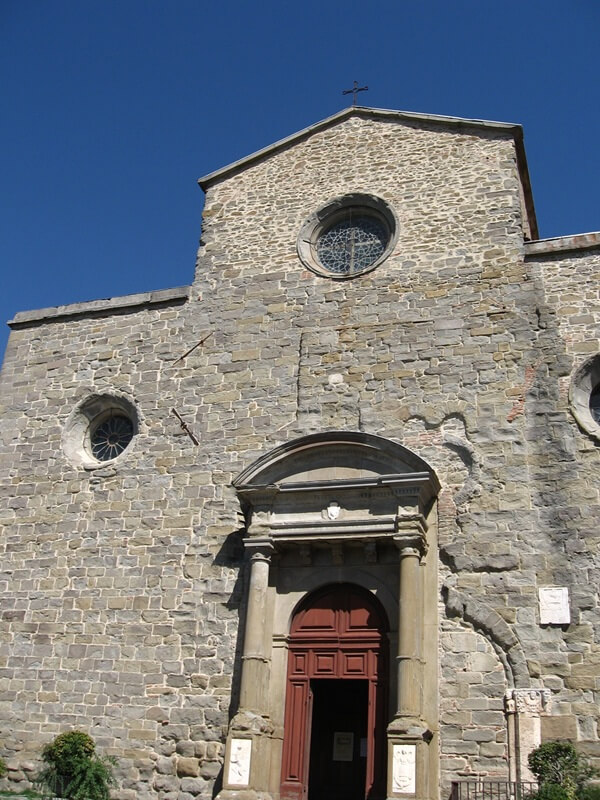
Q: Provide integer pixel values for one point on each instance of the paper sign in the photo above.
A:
(343, 745)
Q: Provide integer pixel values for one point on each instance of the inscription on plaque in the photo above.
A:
(239, 762)
(404, 769)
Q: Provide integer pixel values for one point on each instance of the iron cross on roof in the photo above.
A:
(355, 90)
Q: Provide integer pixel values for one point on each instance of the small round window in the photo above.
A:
(99, 430)
(347, 237)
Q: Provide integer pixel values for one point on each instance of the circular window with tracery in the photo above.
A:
(111, 437)
(99, 430)
(348, 237)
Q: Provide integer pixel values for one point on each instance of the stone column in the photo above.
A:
(256, 652)
(524, 708)
(247, 754)
(410, 633)
(408, 733)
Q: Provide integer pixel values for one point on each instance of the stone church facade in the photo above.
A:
(325, 522)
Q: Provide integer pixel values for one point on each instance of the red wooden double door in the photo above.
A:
(335, 717)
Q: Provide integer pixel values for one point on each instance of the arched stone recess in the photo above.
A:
(487, 621)
(473, 730)
(522, 704)
(345, 509)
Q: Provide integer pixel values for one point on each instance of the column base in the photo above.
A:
(413, 727)
(247, 757)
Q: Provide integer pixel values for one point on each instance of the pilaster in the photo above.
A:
(524, 707)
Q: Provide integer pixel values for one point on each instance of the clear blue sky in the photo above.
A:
(112, 110)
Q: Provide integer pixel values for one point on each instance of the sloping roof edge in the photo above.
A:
(510, 128)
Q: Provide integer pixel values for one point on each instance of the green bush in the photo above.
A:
(2, 767)
(590, 792)
(74, 770)
(550, 791)
(562, 773)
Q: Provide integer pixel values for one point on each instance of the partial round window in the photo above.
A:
(584, 396)
(347, 237)
(595, 405)
(99, 430)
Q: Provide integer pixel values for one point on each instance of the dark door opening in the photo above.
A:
(338, 740)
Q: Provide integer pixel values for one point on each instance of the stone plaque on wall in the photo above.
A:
(403, 771)
(239, 762)
(554, 606)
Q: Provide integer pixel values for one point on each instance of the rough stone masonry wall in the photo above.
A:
(119, 607)
(125, 583)
(565, 461)
(431, 349)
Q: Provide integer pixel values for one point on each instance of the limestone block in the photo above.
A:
(188, 767)
(166, 766)
(558, 727)
(193, 785)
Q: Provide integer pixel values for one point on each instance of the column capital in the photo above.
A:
(531, 702)
(413, 544)
(259, 549)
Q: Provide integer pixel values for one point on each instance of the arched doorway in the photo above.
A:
(335, 718)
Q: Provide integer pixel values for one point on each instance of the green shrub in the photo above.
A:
(74, 770)
(550, 791)
(561, 771)
(590, 792)
(2, 767)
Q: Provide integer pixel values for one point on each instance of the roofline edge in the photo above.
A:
(361, 111)
(129, 301)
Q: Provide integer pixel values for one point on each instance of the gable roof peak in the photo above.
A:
(364, 112)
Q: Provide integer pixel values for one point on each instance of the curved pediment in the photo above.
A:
(333, 456)
(337, 485)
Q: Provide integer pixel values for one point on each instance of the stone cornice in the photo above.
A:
(563, 244)
(353, 510)
(410, 480)
(110, 305)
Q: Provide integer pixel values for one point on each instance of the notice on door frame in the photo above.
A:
(343, 745)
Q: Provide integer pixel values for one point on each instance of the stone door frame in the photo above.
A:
(344, 493)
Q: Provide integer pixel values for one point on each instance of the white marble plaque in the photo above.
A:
(239, 762)
(404, 769)
(554, 606)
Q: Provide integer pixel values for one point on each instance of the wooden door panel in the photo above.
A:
(324, 665)
(295, 743)
(354, 665)
(298, 663)
(339, 633)
(359, 619)
(318, 619)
